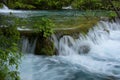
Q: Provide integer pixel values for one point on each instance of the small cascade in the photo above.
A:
(28, 45)
(98, 34)
(95, 56)
(5, 7)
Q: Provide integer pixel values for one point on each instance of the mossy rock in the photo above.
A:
(78, 29)
(44, 46)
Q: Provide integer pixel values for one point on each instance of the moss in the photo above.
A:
(48, 49)
(44, 47)
(79, 28)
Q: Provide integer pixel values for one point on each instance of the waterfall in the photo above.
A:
(28, 44)
(95, 56)
(5, 7)
(98, 34)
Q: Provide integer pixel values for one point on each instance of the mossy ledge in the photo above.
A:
(44, 46)
(82, 28)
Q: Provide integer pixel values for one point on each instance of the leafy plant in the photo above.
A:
(44, 27)
(9, 52)
(58, 4)
(23, 6)
(112, 14)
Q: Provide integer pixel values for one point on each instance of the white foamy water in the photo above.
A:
(95, 56)
(5, 9)
(28, 44)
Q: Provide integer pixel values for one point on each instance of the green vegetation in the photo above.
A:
(95, 4)
(19, 5)
(9, 51)
(82, 27)
(44, 27)
(44, 30)
(1, 5)
(44, 46)
(58, 4)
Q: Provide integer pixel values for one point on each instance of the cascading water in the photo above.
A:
(5, 7)
(28, 44)
(95, 56)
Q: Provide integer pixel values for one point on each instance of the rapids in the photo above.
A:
(95, 56)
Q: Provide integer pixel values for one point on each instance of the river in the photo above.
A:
(101, 62)
(95, 56)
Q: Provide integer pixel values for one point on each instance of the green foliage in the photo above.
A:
(1, 5)
(9, 52)
(112, 14)
(58, 4)
(19, 5)
(87, 4)
(44, 27)
(47, 48)
(117, 4)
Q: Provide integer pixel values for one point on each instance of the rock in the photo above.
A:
(44, 47)
(84, 49)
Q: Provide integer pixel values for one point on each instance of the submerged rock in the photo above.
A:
(84, 49)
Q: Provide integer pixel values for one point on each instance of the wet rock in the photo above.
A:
(84, 49)
(44, 47)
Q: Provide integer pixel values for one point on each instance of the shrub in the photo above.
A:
(9, 52)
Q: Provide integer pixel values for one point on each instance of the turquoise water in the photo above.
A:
(27, 19)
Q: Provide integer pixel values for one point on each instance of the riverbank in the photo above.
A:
(64, 4)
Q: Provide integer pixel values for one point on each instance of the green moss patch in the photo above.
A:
(81, 26)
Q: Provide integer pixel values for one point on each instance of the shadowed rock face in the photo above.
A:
(44, 47)
(84, 49)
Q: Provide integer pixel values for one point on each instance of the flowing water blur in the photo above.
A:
(95, 56)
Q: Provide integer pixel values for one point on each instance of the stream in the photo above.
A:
(95, 56)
